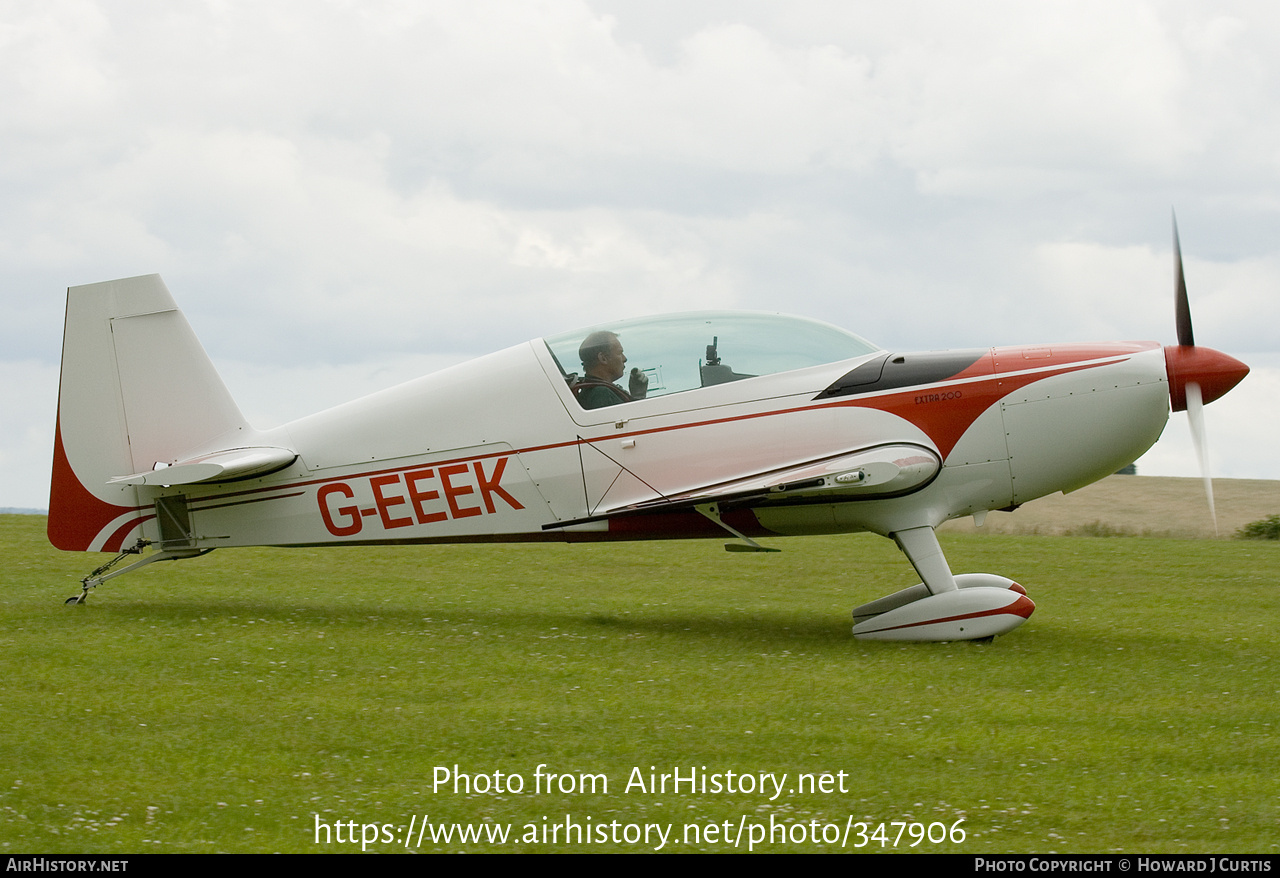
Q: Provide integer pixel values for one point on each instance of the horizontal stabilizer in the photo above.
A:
(222, 466)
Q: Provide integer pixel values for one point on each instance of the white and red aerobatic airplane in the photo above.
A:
(754, 425)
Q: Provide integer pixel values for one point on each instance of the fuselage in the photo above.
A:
(498, 449)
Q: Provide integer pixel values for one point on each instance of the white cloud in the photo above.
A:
(330, 185)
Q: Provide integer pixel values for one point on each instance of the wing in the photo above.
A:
(882, 471)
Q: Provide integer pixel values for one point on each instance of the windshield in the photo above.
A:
(679, 352)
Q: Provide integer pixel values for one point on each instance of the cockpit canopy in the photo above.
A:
(686, 351)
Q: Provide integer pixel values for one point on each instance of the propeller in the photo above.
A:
(1195, 417)
(1181, 305)
(1197, 375)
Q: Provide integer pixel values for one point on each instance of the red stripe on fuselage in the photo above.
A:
(1015, 359)
(115, 542)
(945, 411)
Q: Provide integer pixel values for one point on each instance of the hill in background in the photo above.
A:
(1138, 505)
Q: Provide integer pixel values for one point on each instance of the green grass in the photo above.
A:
(222, 703)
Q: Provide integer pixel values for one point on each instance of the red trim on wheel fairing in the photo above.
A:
(1023, 607)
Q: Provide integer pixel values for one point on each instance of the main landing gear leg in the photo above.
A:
(920, 545)
(944, 607)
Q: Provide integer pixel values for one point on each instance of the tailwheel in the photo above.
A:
(99, 576)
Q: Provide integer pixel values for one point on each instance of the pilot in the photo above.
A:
(603, 363)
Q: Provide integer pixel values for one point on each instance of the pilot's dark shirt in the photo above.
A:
(594, 393)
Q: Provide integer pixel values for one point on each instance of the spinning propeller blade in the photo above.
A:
(1182, 308)
(1196, 375)
(1195, 416)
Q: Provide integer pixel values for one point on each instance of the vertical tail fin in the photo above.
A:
(136, 389)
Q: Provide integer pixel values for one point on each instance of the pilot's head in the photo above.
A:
(602, 356)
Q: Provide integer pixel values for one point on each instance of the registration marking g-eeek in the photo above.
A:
(428, 495)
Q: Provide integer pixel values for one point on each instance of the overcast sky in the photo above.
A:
(344, 195)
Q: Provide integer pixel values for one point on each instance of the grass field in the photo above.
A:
(228, 703)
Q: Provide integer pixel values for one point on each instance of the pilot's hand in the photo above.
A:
(638, 384)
